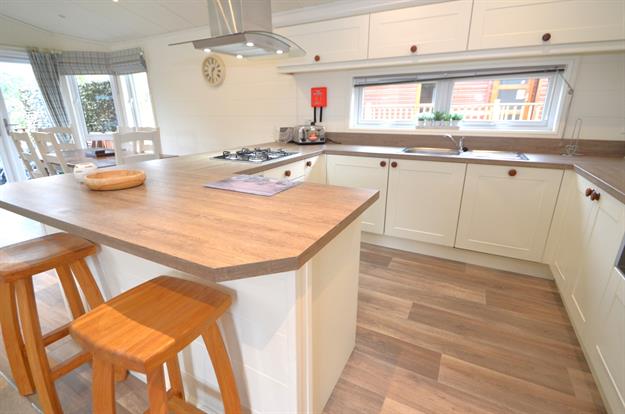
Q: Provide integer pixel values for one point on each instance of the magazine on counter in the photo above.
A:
(253, 184)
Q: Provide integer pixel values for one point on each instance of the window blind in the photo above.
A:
(360, 81)
(120, 62)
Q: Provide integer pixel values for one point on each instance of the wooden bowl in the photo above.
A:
(114, 180)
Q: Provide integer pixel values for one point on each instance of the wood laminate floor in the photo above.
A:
(434, 336)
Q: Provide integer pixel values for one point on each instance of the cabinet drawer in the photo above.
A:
(292, 171)
(507, 210)
(434, 28)
(511, 23)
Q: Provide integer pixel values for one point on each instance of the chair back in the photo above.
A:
(28, 154)
(64, 137)
(51, 153)
(137, 146)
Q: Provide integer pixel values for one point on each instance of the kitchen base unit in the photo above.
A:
(289, 335)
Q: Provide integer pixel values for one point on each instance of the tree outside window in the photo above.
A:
(96, 97)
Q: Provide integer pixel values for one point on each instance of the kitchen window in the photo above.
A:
(100, 104)
(523, 99)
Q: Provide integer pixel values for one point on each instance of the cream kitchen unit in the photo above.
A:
(364, 172)
(588, 230)
(311, 170)
(494, 209)
(433, 28)
(458, 26)
(515, 23)
(424, 200)
(330, 41)
(507, 211)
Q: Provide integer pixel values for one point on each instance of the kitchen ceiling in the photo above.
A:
(110, 21)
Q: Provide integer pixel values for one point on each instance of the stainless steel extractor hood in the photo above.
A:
(243, 28)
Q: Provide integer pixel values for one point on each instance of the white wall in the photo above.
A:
(599, 91)
(17, 34)
(253, 101)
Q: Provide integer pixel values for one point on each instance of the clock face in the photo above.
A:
(214, 70)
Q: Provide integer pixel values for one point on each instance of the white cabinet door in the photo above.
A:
(609, 346)
(424, 200)
(507, 210)
(605, 233)
(315, 169)
(512, 23)
(331, 40)
(434, 28)
(570, 245)
(362, 172)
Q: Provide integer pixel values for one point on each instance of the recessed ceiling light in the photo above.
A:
(207, 50)
(249, 44)
(279, 51)
(115, 1)
(239, 56)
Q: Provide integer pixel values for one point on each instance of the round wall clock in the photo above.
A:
(214, 70)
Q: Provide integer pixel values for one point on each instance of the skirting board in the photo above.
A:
(476, 258)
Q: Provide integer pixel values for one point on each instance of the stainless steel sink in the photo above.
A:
(432, 151)
(501, 155)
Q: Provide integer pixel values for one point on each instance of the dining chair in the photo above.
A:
(65, 137)
(28, 154)
(137, 146)
(51, 152)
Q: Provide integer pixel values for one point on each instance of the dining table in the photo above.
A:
(77, 156)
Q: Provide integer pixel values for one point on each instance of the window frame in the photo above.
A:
(556, 103)
(402, 124)
(72, 99)
(78, 112)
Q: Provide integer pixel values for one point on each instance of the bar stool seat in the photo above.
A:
(44, 253)
(23, 339)
(144, 328)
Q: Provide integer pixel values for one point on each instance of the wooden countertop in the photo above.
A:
(175, 221)
(606, 172)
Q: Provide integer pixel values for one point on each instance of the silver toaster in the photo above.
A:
(303, 134)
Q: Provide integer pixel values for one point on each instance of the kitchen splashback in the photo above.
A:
(604, 148)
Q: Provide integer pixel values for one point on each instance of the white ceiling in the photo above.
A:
(109, 21)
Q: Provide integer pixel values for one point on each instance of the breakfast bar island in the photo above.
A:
(289, 261)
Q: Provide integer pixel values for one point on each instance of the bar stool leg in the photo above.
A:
(35, 349)
(70, 290)
(157, 395)
(223, 369)
(175, 377)
(87, 283)
(103, 390)
(13, 341)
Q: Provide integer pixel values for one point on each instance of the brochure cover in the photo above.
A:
(253, 184)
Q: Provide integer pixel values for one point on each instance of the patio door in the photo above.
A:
(21, 108)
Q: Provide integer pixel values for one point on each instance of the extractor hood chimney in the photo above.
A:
(242, 28)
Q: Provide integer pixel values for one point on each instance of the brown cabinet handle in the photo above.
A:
(512, 172)
(588, 192)
(309, 163)
(413, 49)
(287, 173)
(317, 58)
(595, 196)
(382, 163)
(394, 164)
(546, 37)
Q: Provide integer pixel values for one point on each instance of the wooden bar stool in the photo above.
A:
(25, 347)
(145, 328)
